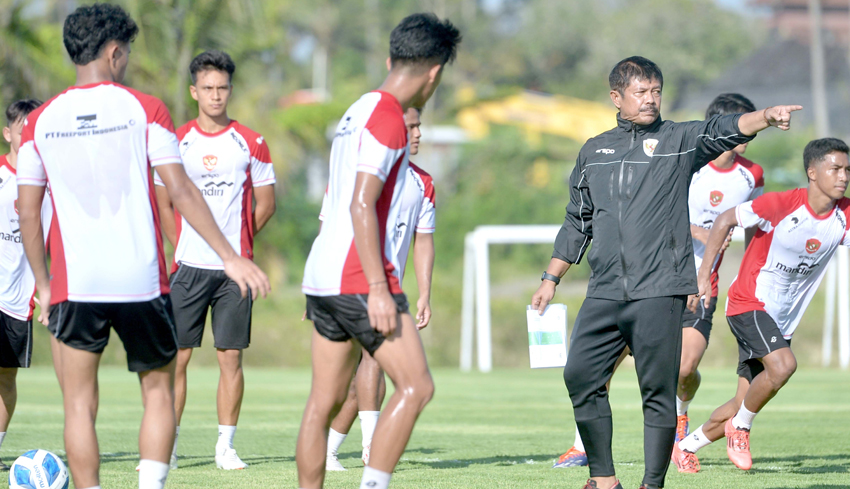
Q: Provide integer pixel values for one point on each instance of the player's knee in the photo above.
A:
(782, 371)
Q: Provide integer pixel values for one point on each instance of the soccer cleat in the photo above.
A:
(228, 460)
(573, 458)
(686, 462)
(682, 427)
(365, 457)
(332, 464)
(591, 484)
(738, 446)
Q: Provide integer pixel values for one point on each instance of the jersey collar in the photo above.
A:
(4, 161)
(212, 134)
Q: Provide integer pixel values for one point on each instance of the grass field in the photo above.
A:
(498, 430)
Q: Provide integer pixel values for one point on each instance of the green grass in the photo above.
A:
(498, 430)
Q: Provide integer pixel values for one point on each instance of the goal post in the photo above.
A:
(475, 331)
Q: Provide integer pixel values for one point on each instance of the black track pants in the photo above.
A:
(652, 329)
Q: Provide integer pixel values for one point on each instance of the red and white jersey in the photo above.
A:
(417, 212)
(371, 138)
(95, 145)
(17, 283)
(713, 191)
(787, 258)
(225, 166)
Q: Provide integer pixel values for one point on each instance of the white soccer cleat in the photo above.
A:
(332, 464)
(173, 464)
(365, 457)
(229, 460)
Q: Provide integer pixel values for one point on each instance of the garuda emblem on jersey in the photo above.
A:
(209, 162)
(812, 245)
(715, 198)
(649, 146)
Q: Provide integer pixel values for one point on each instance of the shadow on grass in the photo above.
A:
(189, 461)
(799, 464)
(499, 461)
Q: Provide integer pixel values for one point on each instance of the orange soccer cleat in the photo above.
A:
(681, 427)
(573, 458)
(686, 462)
(738, 446)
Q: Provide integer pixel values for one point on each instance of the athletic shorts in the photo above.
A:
(701, 320)
(757, 335)
(342, 317)
(146, 329)
(15, 342)
(196, 290)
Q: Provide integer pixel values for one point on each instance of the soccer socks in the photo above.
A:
(374, 479)
(93, 487)
(578, 444)
(694, 441)
(225, 438)
(335, 439)
(368, 421)
(152, 474)
(744, 419)
(682, 406)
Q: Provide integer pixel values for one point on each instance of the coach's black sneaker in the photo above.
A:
(648, 486)
(591, 484)
(3, 467)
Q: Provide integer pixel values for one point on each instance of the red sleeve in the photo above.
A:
(775, 206)
(428, 181)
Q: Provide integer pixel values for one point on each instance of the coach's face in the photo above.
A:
(640, 102)
(831, 174)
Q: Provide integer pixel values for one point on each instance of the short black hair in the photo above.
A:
(212, 60)
(424, 37)
(634, 67)
(818, 149)
(18, 111)
(729, 103)
(89, 28)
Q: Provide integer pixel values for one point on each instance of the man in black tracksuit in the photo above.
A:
(629, 194)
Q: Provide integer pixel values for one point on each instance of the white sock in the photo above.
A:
(93, 487)
(225, 438)
(152, 474)
(335, 439)
(368, 421)
(578, 443)
(2, 437)
(694, 441)
(174, 448)
(682, 406)
(374, 479)
(744, 418)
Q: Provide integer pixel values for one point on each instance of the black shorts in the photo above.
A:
(196, 290)
(757, 335)
(342, 317)
(15, 342)
(701, 320)
(146, 329)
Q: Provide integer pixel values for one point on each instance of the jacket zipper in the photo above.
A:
(620, 220)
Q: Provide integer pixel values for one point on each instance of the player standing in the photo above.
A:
(231, 166)
(416, 222)
(95, 144)
(17, 284)
(352, 274)
(797, 232)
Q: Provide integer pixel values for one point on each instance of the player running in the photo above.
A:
(231, 166)
(797, 232)
(17, 284)
(727, 181)
(95, 144)
(352, 278)
(416, 222)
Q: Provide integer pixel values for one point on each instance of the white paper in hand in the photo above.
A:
(547, 336)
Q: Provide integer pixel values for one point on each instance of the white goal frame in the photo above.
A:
(475, 322)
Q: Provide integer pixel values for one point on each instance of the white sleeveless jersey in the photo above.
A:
(225, 167)
(371, 138)
(713, 191)
(417, 213)
(95, 145)
(17, 283)
(787, 258)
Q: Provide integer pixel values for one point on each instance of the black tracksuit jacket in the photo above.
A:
(629, 194)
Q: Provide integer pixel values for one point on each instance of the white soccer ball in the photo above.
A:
(38, 469)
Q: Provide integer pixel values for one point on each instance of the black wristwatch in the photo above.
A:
(550, 277)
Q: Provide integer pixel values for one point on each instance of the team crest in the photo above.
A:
(649, 146)
(812, 245)
(715, 198)
(210, 162)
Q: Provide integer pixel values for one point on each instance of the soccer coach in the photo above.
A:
(629, 194)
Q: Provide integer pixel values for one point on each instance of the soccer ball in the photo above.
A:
(38, 469)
